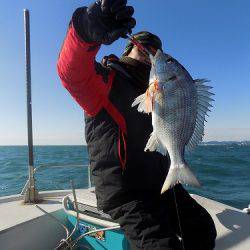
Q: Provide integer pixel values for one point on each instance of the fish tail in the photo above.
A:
(180, 174)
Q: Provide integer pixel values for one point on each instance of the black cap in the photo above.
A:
(145, 38)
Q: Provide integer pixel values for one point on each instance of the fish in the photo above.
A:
(179, 105)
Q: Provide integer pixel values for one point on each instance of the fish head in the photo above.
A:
(163, 68)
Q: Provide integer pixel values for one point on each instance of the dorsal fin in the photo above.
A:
(203, 104)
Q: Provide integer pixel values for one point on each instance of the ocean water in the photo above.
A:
(223, 170)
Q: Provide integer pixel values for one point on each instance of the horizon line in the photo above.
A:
(6, 145)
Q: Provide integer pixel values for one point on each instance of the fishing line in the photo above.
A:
(179, 222)
(142, 48)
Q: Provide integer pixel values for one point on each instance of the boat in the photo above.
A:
(69, 219)
(49, 224)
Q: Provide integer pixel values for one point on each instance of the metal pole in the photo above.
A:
(31, 194)
(28, 87)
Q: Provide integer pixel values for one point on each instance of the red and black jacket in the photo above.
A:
(116, 133)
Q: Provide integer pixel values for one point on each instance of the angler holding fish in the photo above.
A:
(128, 181)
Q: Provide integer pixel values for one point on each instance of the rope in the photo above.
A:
(77, 218)
(62, 244)
(76, 207)
(179, 222)
(73, 244)
(66, 242)
(63, 241)
(54, 218)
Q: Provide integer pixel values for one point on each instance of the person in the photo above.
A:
(127, 179)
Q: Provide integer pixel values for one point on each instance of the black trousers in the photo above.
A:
(152, 223)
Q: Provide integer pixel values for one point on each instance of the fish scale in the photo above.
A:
(179, 105)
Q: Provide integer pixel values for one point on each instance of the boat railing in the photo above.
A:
(46, 166)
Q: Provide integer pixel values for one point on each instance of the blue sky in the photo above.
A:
(210, 38)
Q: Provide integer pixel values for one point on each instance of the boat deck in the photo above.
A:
(23, 222)
(14, 212)
(232, 225)
(26, 227)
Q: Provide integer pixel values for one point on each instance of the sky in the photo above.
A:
(210, 38)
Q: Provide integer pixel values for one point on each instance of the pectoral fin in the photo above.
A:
(144, 103)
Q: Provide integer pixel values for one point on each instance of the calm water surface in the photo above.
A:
(223, 170)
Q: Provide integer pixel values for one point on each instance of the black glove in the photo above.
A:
(104, 21)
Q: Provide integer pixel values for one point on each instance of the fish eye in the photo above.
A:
(169, 60)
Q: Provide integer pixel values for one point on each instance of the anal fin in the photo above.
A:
(154, 144)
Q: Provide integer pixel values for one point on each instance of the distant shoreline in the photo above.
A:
(206, 143)
(239, 143)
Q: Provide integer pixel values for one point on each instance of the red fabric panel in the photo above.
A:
(116, 115)
(122, 159)
(77, 72)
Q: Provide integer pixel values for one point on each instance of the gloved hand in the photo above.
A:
(104, 21)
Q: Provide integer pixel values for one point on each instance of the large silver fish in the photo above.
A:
(179, 105)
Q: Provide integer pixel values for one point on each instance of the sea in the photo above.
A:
(223, 170)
